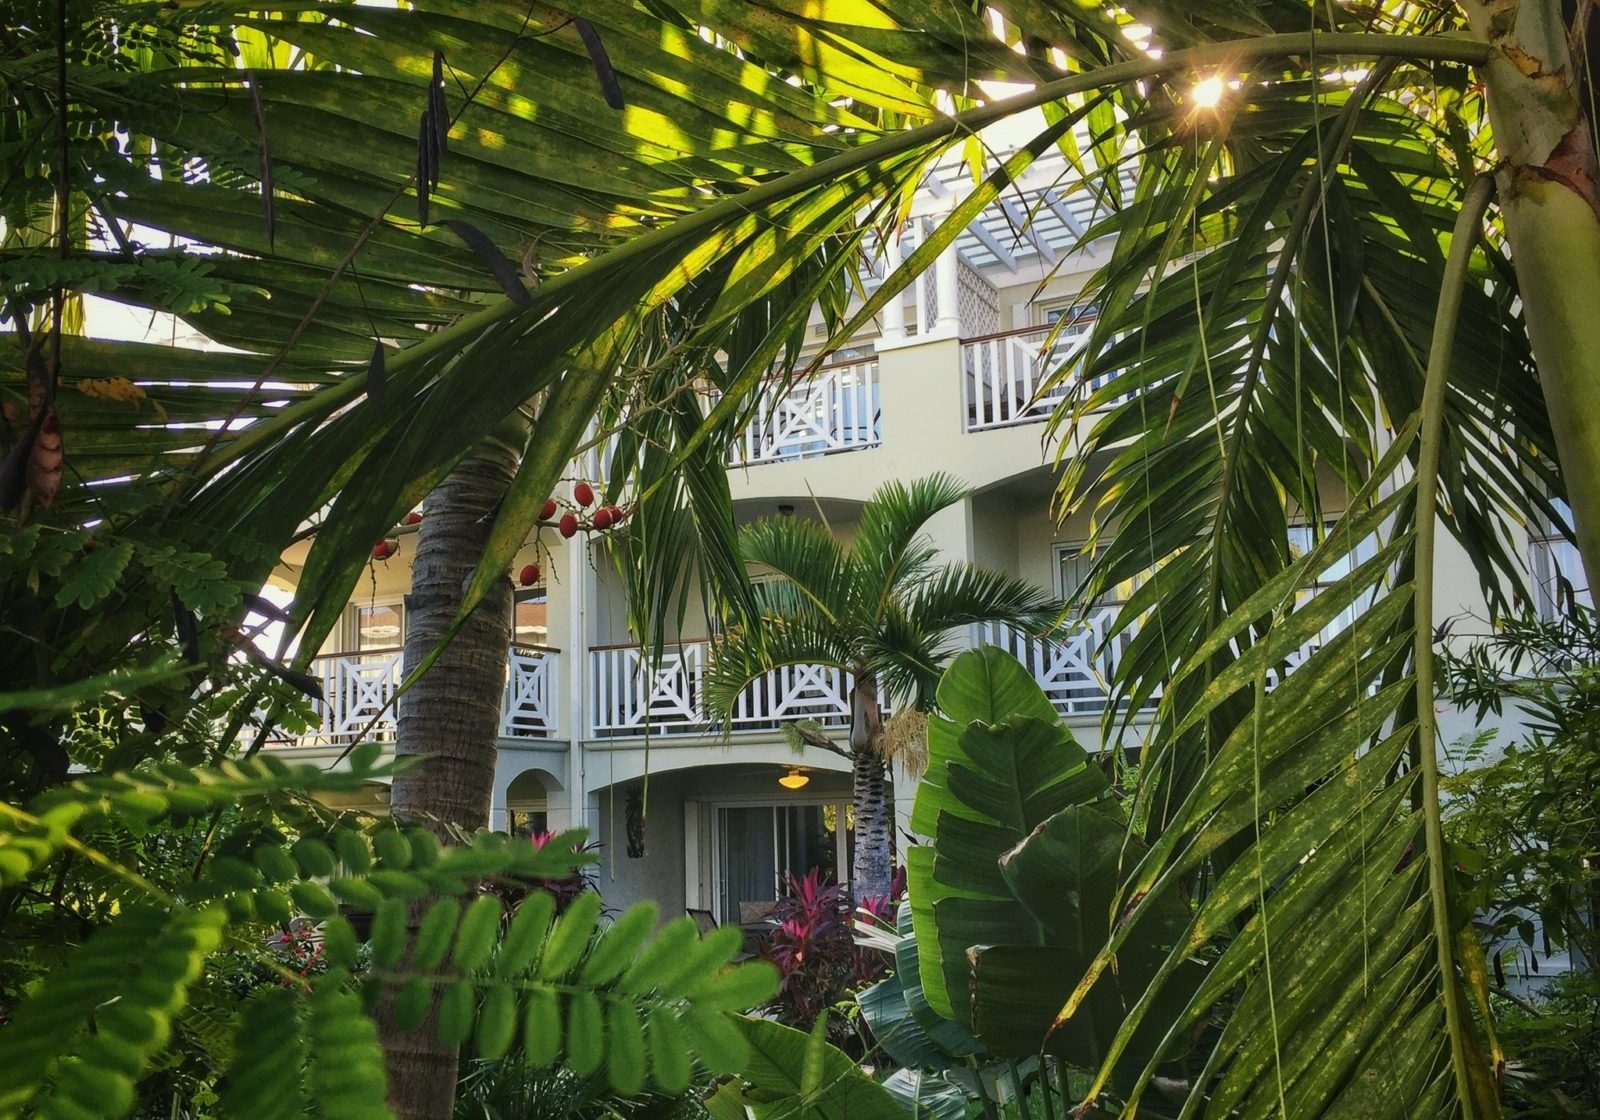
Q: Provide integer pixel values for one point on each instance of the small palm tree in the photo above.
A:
(883, 610)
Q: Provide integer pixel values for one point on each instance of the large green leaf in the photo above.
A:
(1067, 875)
(999, 765)
(794, 1075)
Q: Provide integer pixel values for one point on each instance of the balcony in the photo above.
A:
(356, 687)
(1004, 373)
(834, 410)
(627, 698)
(1072, 668)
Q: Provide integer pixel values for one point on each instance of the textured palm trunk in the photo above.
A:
(1548, 196)
(872, 869)
(450, 722)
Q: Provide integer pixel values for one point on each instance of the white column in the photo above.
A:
(894, 312)
(947, 284)
(575, 719)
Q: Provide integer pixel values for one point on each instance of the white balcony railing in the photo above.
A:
(627, 697)
(834, 410)
(1073, 668)
(358, 686)
(1004, 373)
(1075, 665)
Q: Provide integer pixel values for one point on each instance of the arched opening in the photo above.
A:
(527, 804)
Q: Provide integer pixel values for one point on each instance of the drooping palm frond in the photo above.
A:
(1304, 801)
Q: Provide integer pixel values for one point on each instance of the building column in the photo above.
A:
(947, 288)
(894, 312)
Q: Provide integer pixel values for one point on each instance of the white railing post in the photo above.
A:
(526, 710)
(627, 698)
(1006, 374)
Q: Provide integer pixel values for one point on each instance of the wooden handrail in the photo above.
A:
(712, 390)
(1017, 331)
(401, 649)
(680, 643)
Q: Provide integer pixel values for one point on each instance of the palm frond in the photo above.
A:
(886, 552)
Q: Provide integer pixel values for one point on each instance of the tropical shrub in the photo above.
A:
(102, 1010)
(511, 1088)
(1524, 825)
(819, 960)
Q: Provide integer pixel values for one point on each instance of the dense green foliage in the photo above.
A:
(99, 1012)
(1524, 818)
(1313, 312)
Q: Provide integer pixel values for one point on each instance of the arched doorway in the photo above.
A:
(527, 804)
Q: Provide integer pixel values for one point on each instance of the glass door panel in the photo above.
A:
(749, 863)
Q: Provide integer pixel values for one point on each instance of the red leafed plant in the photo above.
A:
(814, 948)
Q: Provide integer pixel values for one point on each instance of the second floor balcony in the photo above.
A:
(358, 696)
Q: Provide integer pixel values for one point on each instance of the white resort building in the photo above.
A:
(706, 822)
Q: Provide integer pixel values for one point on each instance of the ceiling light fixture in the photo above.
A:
(794, 779)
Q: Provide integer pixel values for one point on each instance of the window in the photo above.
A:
(1072, 569)
(1559, 579)
(380, 626)
(531, 621)
(1079, 316)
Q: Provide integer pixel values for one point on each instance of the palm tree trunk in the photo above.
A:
(872, 869)
(449, 722)
(1538, 108)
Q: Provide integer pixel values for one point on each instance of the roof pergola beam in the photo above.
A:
(1064, 212)
(1028, 229)
(976, 228)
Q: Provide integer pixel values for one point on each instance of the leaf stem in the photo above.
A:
(1463, 238)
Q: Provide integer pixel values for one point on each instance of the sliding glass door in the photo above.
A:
(760, 846)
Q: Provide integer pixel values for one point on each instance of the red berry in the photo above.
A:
(569, 525)
(583, 494)
(602, 518)
(412, 518)
(548, 511)
(530, 575)
(617, 514)
(385, 549)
